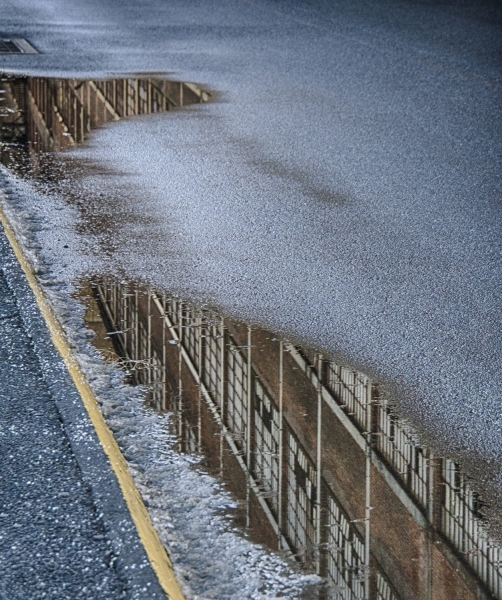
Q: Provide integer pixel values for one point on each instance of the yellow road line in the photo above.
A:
(155, 550)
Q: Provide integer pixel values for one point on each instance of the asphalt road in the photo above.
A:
(64, 529)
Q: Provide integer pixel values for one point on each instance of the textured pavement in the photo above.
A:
(64, 528)
(52, 543)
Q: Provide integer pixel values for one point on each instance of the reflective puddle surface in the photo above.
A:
(322, 467)
(42, 114)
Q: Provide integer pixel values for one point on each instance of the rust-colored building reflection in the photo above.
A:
(44, 114)
(324, 469)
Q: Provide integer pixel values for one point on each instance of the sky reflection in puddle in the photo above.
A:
(322, 467)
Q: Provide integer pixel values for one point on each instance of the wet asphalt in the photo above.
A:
(342, 187)
(64, 529)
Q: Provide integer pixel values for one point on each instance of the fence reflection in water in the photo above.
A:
(328, 471)
(325, 469)
(46, 114)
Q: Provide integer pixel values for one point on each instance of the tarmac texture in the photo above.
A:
(51, 536)
(64, 528)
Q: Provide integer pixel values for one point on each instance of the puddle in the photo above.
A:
(323, 470)
(40, 115)
(54, 114)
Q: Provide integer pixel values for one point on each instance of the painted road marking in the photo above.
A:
(155, 551)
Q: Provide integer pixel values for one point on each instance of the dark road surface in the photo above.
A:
(60, 536)
(342, 186)
(342, 189)
(51, 536)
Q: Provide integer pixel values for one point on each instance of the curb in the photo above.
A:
(151, 544)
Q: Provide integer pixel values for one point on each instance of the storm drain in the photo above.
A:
(16, 46)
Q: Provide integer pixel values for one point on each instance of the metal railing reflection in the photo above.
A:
(45, 114)
(292, 461)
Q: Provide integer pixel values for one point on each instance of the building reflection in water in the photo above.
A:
(44, 114)
(323, 467)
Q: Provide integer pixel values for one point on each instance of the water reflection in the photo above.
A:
(44, 114)
(323, 468)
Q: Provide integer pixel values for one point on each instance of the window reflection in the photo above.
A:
(343, 485)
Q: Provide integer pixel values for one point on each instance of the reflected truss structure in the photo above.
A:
(317, 449)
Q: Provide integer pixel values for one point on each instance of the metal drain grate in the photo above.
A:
(16, 46)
